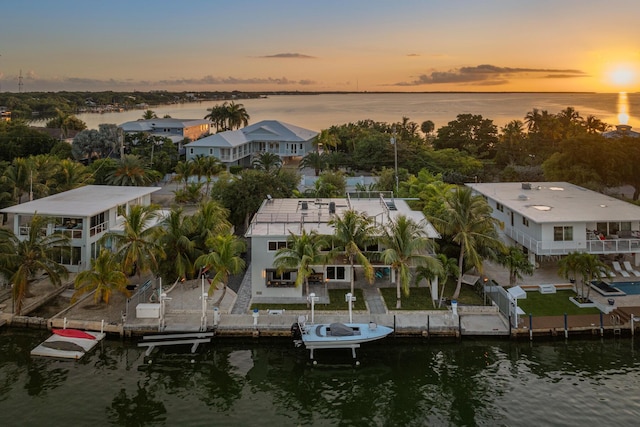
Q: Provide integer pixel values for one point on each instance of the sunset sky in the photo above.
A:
(324, 45)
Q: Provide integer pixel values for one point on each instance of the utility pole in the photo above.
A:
(395, 146)
(20, 82)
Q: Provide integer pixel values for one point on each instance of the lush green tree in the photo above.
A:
(211, 218)
(301, 253)
(17, 177)
(427, 127)
(138, 246)
(22, 260)
(17, 139)
(70, 174)
(466, 219)
(581, 265)
(353, 233)
(237, 116)
(267, 161)
(104, 277)
(149, 114)
(373, 150)
(512, 147)
(207, 167)
(62, 150)
(470, 133)
(102, 169)
(329, 184)
(66, 122)
(96, 144)
(179, 245)
(315, 161)
(517, 262)
(131, 171)
(443, 268)
(243, 194)
(183, 171)
(406, 247)
(223, 260)
(190, 194)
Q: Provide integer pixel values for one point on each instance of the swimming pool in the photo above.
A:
(629, 288)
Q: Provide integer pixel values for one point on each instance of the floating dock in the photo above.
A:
(194, 339)
(67, 347)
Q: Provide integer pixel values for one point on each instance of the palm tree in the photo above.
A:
(218, 115)
(466, 219)
(313, 160)
(210, 219)
(268, 162)
(223, 259)
(149, 114)
(178, 244)
(137, 247)
(516, 261)
(406, 247)
(71, 174)
(353, 233)
(183, 171)
(443, 268)
(104, 278)
(132, 172)
(22, 260)
(17, 176)
(585, 265)
(302, 252)
(237, 116)
(532, 120)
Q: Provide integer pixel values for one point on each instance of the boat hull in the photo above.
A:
(319, 336)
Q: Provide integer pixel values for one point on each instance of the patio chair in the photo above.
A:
(630, 269)
(606, 273)
(619, 270)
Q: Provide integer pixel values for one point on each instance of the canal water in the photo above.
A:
(270, 383)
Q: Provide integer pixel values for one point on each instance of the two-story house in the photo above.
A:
(84, 214)
(176, 130)
(556, 218)
(277, 218)
(237, 147)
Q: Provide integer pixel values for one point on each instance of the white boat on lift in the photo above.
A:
(336, 335)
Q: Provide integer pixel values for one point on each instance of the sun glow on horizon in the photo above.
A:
(622, 75)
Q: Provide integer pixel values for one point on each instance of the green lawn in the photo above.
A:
(337, 302)
(552, 304)
(420, 298)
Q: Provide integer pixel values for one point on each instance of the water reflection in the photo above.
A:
(271, 383)
(623, 108)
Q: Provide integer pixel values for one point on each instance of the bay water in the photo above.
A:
(268, 382)
(317, 112)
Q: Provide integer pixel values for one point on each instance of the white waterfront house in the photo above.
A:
(84, 214)
(237, 147)
(556, 218)
(277, 218)
(175, 129)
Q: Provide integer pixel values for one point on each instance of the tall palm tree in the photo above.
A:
(302, 251)
(353, 233)
(237, 116)
(517, 262)
(210, 219)
(443, 268)
(104, 278)
(218, 115)
(466, 219)
(183, 171)
(178, 245)
(17, 176)
(584, 265)
(406, 247)
(22, 260)
(223, 260)
(268, 162)
(137, 247)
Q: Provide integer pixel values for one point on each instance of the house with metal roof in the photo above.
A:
(556, 218)
(237, 147)
(276, 219)
(84, 214)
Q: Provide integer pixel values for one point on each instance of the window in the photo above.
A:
(562, 234)
(274, 246)
(525, 221)
(275, 280)
(500, 207)
(190, 150)
(335, 273)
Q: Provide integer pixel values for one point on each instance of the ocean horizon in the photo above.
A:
(323, 110)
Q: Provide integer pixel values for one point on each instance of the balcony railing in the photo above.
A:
(551, 247)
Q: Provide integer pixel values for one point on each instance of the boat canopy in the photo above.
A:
(340, 330)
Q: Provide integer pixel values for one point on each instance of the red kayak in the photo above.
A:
(73, 333)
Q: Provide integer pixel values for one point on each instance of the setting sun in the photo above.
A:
(622, 76)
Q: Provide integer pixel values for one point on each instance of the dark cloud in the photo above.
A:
(289, 55)
(487, 74)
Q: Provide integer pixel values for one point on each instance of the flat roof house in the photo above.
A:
(236, 147)
(84, 214)
(556, 218)
(277, 218)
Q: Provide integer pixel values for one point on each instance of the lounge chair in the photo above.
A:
(605, 272)
(630, 269)
(619, 270)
